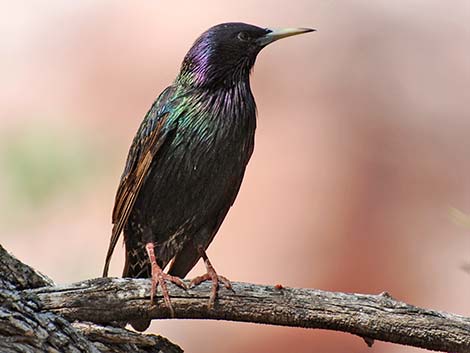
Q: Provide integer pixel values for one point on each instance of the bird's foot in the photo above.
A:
(159, 278)
(215, 278)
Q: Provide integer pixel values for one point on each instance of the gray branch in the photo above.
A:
(94, 304)
(26, 328)
(372, 317)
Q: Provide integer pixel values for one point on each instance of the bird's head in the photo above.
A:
(225, 54)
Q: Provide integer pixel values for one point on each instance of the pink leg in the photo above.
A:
(160, 277)
(212, 275)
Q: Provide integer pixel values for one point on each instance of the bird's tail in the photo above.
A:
(137, 265)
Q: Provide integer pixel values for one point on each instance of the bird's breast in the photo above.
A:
(212, 146)
(196, 176)
(216, 140)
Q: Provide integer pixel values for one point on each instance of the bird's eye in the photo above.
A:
(243, 36)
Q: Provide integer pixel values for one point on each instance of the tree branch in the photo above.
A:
(25, 328)
(35, 315)
(380, 317)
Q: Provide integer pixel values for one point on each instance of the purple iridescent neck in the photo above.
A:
(205, 65)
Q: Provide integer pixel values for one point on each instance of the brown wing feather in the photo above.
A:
(131, 183)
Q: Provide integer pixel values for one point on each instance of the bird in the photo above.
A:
(187, 161)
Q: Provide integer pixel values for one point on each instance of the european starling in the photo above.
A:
(187, 160)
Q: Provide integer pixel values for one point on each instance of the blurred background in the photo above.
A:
(360, 180)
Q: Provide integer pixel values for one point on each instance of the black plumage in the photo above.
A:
(187, 161)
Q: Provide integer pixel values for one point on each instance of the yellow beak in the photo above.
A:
(280, 33)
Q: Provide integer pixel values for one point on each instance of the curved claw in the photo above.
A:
(160, 277)
(211, 275)
(226, 282)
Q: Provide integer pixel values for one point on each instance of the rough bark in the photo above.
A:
(26, 328)
(369, 316)
(105, 300)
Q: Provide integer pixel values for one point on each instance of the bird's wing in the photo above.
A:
(151, 136)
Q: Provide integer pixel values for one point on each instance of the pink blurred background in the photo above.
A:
(360, 180)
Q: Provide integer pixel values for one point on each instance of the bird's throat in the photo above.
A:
(201, 72)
